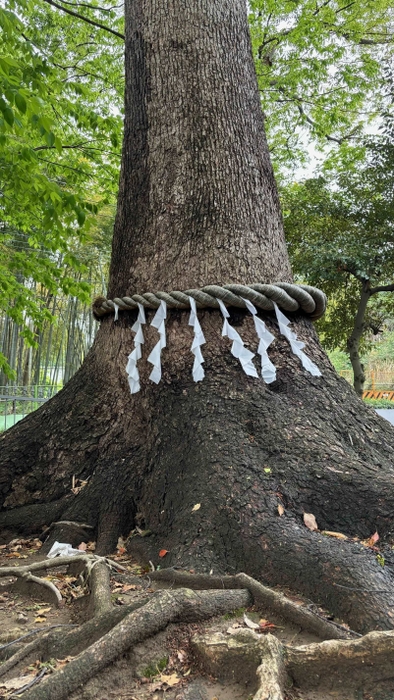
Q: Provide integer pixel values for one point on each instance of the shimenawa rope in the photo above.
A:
(289, 297)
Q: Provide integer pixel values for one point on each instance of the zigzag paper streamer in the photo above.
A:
(116, 310)
(155, 356)
(268, 370)
(198, 340)
(135, 355)
(296, 345)
(238, 349)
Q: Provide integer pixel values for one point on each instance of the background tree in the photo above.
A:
(340, 236)
(59, 156)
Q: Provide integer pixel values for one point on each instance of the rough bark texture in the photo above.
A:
(198, 204)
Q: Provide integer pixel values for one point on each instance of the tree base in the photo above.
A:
(220, 473)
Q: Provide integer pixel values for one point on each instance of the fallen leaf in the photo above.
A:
(196, 507)
(42, 611)
(371, 540)
(162, 553)
(310, 521)
(249, 623)
(40, 619)
(338, 535)
(129, 587)
(266, 625)
(170, 680)
(181, 655)
(281, 509)
(83, 547)
(60, 663)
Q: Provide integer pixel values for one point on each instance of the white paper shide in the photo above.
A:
(268, 370)
(296, 345)
(135, 355)
(198, 340)
(238, 348)
(155, 356)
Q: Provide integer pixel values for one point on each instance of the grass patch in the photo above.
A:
(155, 668)
(234, 613)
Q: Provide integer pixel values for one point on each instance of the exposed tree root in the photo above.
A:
(331, 664)
(264, 660)
(264, 598)
(100, 577)
(163, 608)
(370, 657)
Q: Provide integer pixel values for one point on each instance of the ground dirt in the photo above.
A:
(163, 667)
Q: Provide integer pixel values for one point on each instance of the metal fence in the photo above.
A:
(17, 401)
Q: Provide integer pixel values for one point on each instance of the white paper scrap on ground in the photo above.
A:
(135, 355)
(268, 370)
(198, 340)
(296, 345)
(238, 349)
(155, 356)
(116, 309)
(62, 549)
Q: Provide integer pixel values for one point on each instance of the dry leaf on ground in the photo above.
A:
(170, 680)
(338, 535)
(371, 541)
(310, 521)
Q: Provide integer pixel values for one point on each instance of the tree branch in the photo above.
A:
(85, 19)
(382, 288)
(90, 7)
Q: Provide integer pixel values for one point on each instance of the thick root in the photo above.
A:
(163, 608)
(330, 664)
(264, 597)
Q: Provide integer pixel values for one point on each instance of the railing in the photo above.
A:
(16, 402)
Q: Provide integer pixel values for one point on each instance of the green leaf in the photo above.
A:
(50, 138)
(20, 103)
(9, 115)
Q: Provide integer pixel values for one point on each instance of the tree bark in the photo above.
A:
(198, 204)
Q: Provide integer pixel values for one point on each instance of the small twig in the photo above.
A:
(43, 582)
(363, 590)
(29, 685)
(114, 564)
(148, 584)
(312, 608)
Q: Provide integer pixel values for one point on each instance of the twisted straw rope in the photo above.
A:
(289, 297)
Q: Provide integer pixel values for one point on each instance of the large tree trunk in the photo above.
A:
(197, 205)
